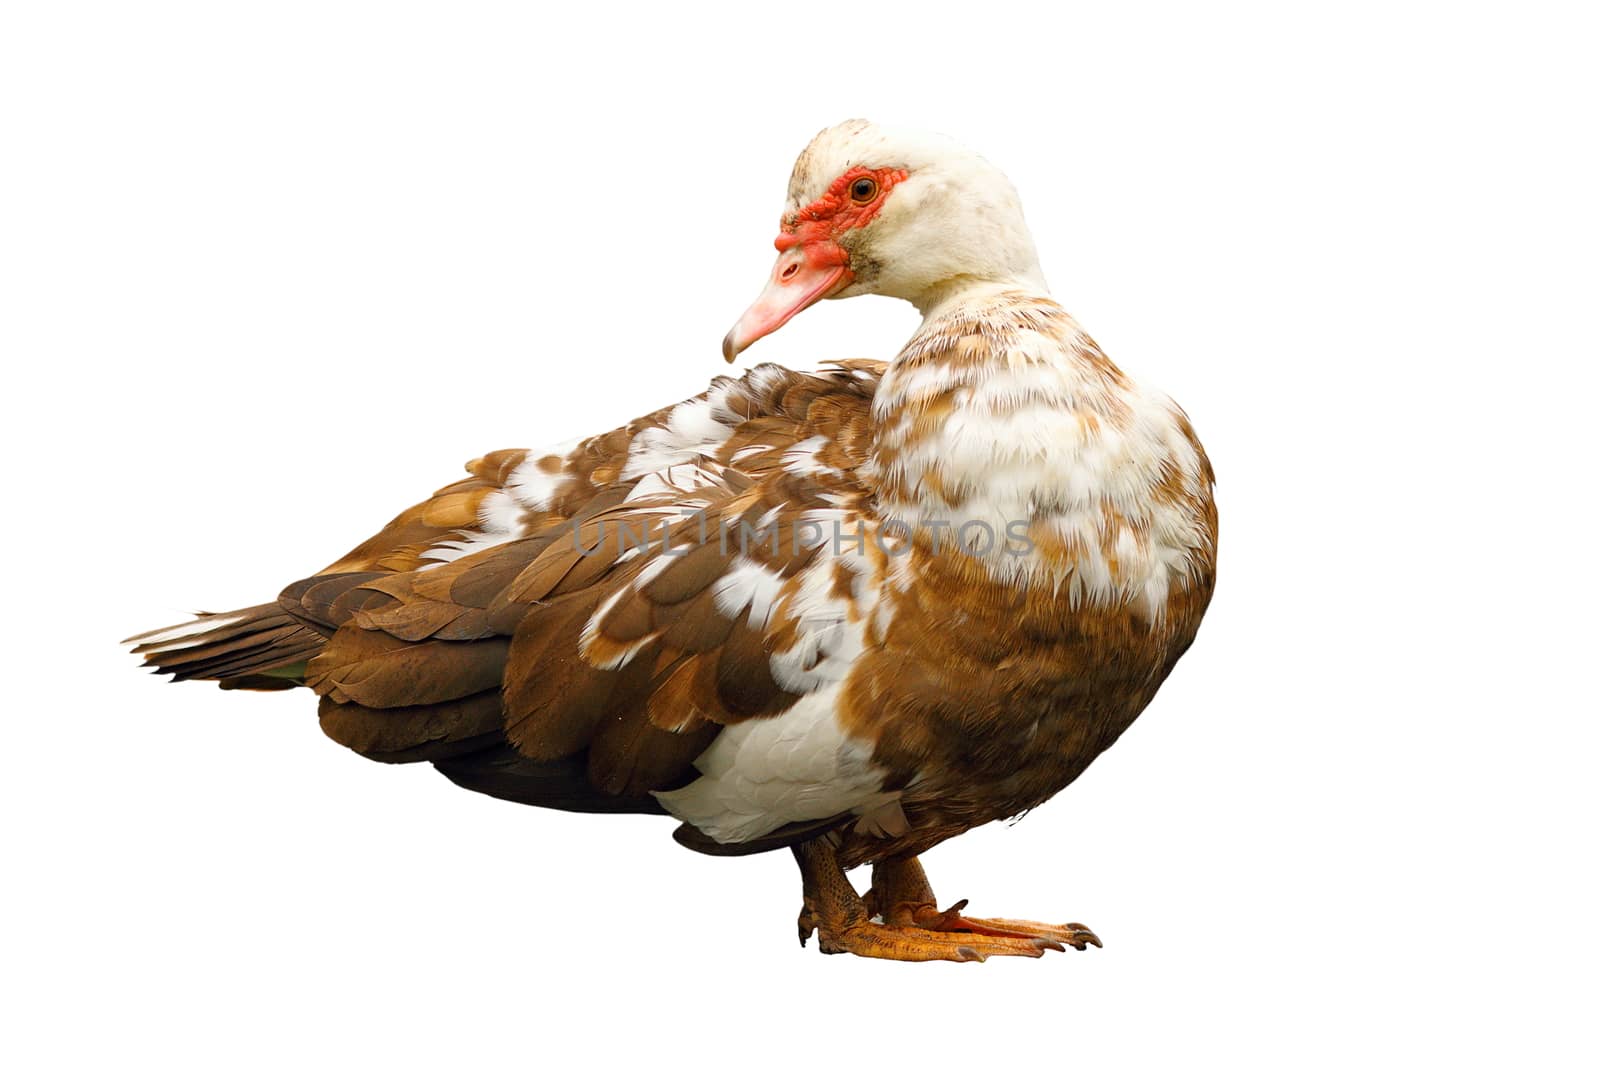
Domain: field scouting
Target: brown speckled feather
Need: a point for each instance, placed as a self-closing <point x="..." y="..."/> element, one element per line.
<point x="446" y="634"/>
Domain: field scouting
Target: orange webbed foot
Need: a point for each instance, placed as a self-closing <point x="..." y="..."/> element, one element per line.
<point x="1060" y="935"/>
<point x="901" y="894"/>
<point x="918" y="944"/>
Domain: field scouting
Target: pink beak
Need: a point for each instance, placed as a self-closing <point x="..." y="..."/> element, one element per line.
<point x="803" y="275"/>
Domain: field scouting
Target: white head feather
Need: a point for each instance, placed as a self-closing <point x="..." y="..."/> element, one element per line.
<point x="955" y="218"/>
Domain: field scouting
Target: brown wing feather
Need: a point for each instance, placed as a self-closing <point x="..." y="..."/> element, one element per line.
<point x="379" y="670"/>
<point x="409" y="734"/>
<point x="497" y="662"/>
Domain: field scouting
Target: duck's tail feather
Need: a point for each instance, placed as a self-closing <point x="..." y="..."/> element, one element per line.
<point x="261" y="647"/>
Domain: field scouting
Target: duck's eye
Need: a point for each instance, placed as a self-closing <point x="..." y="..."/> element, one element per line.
<point x="862" y="190"/>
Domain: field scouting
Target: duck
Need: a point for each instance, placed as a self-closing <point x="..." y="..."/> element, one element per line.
<point x="851" y="613"/>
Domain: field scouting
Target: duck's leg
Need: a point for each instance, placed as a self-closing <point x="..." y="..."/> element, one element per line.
<point x="838" y="915"/>
<point x="901" y="894"/>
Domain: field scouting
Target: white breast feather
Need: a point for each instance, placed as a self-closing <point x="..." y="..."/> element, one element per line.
<point x="762" y="774"/>
<point x="1020" y="454"/>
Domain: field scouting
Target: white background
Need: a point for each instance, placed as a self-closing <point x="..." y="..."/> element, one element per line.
<point x="272" y="272"/>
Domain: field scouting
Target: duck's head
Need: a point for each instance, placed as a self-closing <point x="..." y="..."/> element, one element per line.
<point x="894" y="212"/>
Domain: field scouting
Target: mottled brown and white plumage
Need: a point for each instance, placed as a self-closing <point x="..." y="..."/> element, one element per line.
<point x="853" y="612"/>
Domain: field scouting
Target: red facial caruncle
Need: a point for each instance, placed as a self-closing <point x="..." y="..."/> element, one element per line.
<point x="812" y="261"/>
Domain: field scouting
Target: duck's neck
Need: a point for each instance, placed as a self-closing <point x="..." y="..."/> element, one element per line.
<point x="941" y="297"/>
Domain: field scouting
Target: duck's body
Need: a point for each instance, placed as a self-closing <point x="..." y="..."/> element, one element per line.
<point x="854" y="612"/>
